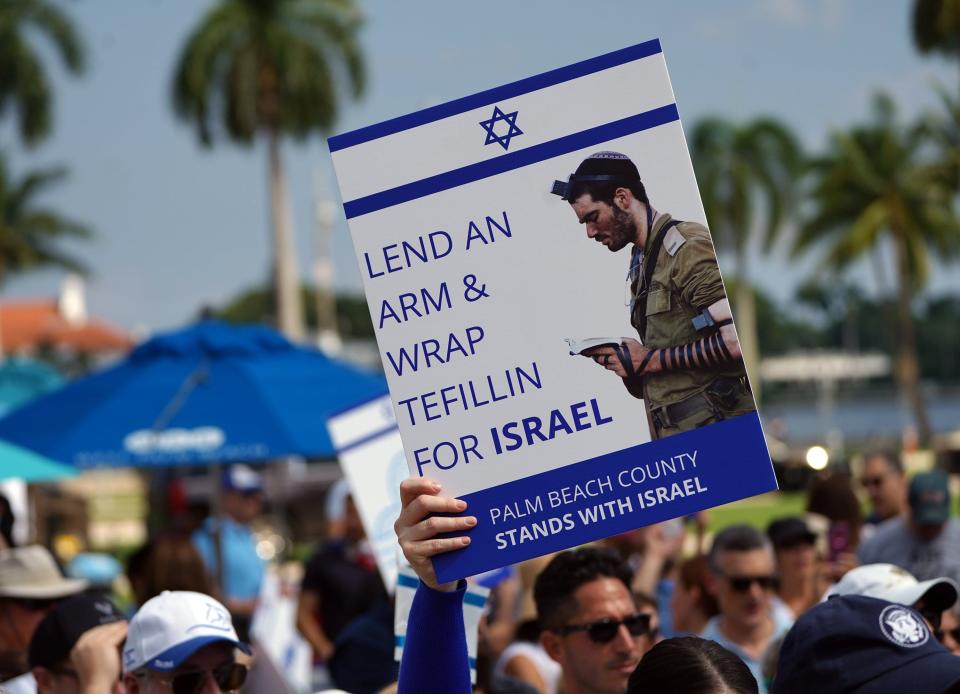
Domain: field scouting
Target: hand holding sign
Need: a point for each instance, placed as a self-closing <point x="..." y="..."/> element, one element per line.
<point x="417" y="529"/>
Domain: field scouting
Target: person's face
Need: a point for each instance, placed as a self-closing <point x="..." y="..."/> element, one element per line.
<point x="683" y="606"/>
<point x="885" y="486"/>
<point x="353" y="527"/>
<point x="744" y="586"/>
<point x="588" y="666"/>
<point x="204" y="661"/>
<point x="244" y="507"/>
<point x="948" y="625"/>
<point x="611" y="225"/>
<point x="928" y="531"/>
<point x="18" y="621"/>
<point x="64" y="680"/>
<point x="798" y="559"/>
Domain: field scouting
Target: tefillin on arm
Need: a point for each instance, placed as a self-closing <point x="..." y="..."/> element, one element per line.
<point x="707" y="352"/>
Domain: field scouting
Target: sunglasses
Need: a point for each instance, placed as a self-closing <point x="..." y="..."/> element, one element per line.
<point x="604" y="630"/>
<point x="229" y="677"/>
<point x="941" y="633"/>
<point x="871" y="481"/>
<point x="742" y="584"/>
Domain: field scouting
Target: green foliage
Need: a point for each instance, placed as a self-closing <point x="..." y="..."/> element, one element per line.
<point x="881" y="180"/>
<point x="274" y="65"/>
<point x="30" y="235"/>
<point x="24" y="84"/>
<point x="257" y="305"/>
<point x="747" y="176"/>
<point x="936" y="26"/>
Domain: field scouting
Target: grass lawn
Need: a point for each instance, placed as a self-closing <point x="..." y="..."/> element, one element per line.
<point x="758" y="510"/>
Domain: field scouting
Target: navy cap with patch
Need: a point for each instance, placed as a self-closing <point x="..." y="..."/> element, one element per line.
<point x="853" y="643"/>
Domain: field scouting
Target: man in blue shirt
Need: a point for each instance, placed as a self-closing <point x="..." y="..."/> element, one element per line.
<point x="742" y="579"/>
<point x="242" y="568"/>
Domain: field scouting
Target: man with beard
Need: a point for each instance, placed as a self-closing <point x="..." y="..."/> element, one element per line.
<point x="742" y="580"/>
<point x="687" y="365"/>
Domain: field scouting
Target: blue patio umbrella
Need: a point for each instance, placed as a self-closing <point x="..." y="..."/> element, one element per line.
<point x="22" y="379"/>
<point x="212" y="392"/>
<point x="19" y="463"/>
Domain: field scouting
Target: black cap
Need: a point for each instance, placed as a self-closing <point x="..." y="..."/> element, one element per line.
<point x="852" y="643"/>
<point x="59" y="631"/>
<point x="790" y="532"/>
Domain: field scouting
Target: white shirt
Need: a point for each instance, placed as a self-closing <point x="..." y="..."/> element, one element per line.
<point x="24" y="684"/>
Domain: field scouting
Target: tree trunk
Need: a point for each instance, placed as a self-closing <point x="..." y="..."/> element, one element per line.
<point x="286" y="283"/>
<point x="746" y="324"/>
<point x="907" y="364"/>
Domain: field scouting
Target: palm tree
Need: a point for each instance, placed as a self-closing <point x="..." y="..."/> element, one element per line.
<point x="24" y="85"/>
<point x="30" y="235"/>
<point x="936" y="26"/>
<point x="270" y="68"/>
<point x="747" y="176"/>
<point x="882" y="183"/>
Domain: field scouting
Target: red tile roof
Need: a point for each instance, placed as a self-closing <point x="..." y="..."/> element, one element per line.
<point x="27" y="325"/>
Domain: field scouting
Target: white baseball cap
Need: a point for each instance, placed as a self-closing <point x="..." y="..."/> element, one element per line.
<point x="894" y="584"/>
<point x="174" y="625"/>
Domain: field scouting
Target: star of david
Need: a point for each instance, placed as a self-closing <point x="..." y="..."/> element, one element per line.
<point x="490" y="126"/>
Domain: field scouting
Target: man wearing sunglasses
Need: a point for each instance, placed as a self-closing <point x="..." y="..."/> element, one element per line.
<point x="742" y="579"/>
<point x="885" y="483"/>
<point x="30" y="586"/>
<point x="591" y="624"/>
<point x="182" y="642"/>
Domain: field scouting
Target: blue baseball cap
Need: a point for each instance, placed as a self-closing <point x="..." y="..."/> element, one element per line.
<point x="853" y="643"/>
<point x="243" y="479"/>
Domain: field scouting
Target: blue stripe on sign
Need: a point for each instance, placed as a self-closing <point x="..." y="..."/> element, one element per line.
<point x="407" y="581"/>
<point x="514" y="160"/>
<point x="485" y="98"/>
<point x="474" y="599"/>
<point x="368" y="438"/>
<point x="731" y="463"/>
<point x="399" y="641"/>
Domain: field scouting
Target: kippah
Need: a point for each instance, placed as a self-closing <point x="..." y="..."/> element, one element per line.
<point x="608" y="155"/>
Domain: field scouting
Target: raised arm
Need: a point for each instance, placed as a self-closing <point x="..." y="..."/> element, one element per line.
<point x="435" y="659"/>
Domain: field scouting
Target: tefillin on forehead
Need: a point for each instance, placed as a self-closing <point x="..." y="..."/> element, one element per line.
<point x="599" y="167"/>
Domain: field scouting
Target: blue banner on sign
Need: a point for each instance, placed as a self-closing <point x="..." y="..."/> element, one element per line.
<point x="612" y="494"/>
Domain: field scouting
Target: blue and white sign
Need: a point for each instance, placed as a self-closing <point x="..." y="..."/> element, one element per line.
<point x="485" y="288"/>
<point x="371" y="456"/>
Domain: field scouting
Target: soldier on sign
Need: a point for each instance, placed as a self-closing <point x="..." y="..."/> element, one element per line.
<point x="687" y="365"/>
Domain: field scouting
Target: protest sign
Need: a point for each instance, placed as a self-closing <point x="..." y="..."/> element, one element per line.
<point x="487" y="295"/>
<point x="371" y="456"/>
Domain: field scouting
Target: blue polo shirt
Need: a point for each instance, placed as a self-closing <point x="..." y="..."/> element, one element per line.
<point x="781" y="625"/>
<point x="243" y="569"/>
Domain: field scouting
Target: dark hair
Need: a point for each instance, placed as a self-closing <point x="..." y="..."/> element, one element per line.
<point x="736" y="538"/>
<point x="833" y="497"/>
<point x="168" y="562"/>
<point x="603" y="191"/>
<point x="892" y="460"/>
<point x="554" y="588"/>
<point x="692" y="573"/>
<point x="690" y="665"/>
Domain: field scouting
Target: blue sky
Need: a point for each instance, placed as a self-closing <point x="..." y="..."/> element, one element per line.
<point x="179" y="227"/>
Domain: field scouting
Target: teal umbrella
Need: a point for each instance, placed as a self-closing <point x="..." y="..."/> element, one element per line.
<point x="16" y="462"/>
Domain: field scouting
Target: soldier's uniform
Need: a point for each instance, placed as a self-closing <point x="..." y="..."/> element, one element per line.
<point x="685" y="281"/>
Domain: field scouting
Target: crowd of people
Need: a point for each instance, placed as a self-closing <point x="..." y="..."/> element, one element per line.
<point x="831" y="600"/>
